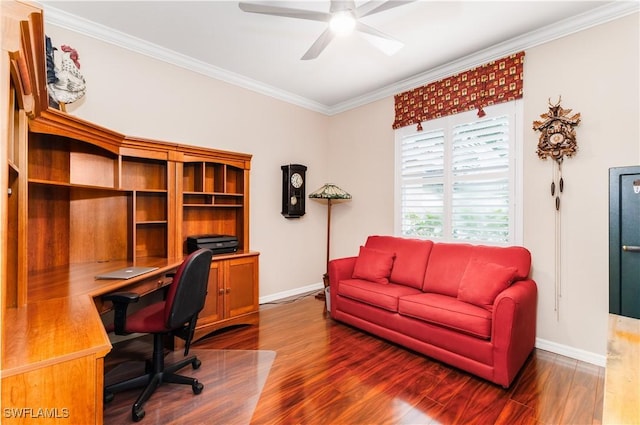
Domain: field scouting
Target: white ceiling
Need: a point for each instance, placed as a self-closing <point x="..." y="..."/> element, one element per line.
<point x="263" y="52"/>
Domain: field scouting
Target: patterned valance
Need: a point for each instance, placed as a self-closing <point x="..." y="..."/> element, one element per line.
<point x="495" y="82"/>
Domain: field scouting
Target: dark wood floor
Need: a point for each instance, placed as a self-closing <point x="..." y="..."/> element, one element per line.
<point x="328" y="373"/>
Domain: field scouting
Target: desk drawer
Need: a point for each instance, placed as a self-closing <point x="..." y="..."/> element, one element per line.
<point x="142" y="287"/>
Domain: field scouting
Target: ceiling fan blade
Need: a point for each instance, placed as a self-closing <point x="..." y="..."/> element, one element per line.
<point x="319" y="45"/>
<point x="284" y="11"/>
<point x="376" y="6"/>
<point x="342" y="5"/>
<point x="387" y="44"/>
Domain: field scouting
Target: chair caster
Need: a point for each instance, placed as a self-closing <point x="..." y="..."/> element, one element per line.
<point x="196" y="363"/>
<point x="137" y="415"/>
<point x="197" y="387"/>
<point x="108" y="397"/>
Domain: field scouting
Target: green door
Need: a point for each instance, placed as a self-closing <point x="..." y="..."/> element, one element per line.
<point x="624" y="241"/>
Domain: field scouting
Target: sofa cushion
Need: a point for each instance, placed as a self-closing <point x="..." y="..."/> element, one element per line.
<point x="449" y="312"/>
<point x="411" y="258"/>
<point x="509" y="256"/>
<point x="446" y="267"/>
<point x="483" y="281"/>
<point x="374" y="265"/>
<point x="375" y="294"/>
<point x="448" y="262"/>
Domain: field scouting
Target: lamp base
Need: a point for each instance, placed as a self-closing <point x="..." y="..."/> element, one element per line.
<point x="325" y="280"/>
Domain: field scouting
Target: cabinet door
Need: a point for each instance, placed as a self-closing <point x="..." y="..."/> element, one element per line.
<point x="241" y="286"/>
<point x="213" y="310"/>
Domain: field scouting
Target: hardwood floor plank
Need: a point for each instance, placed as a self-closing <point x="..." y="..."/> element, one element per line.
<point x="426" y="411"/>
<point x="580" y="407"/>
<point x="552" y="401"/>
<point x="485" y="402"/>
<point x="597" y="413"/>
<point x="325" y="372"/>
<point x="515" y="413"/>
<point x="449" y="386"/>
<point x="533" y="378"/>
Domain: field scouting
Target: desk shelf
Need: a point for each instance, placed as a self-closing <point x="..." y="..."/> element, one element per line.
<point x="215" y="198"/>
<point x="100" y="205"/>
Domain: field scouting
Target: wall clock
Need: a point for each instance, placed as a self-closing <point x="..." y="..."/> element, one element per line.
<point x="557" y="141"/>
<point x="293" y="189"/>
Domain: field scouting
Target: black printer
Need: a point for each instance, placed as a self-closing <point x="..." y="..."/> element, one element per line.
<point x="218" y="244"/>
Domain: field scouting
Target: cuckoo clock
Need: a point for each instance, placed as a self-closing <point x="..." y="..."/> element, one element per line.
<point x="557" y="141"/>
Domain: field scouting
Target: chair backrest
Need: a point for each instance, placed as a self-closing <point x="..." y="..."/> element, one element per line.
<point x="186" y="295"/>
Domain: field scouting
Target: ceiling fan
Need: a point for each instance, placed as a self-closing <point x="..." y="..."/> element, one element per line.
<point x="343" y="16"/>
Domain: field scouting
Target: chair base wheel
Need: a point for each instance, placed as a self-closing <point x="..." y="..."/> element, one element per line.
<point x="137" y="415"/>
<point x="197" y="387"/>
<point x="196" y="363"/>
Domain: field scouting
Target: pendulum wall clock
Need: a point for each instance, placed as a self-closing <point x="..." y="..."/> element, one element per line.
<point x="293" y="190"/>
<point x="557" y="141"/>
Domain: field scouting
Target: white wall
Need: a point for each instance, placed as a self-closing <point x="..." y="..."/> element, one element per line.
<point x="596" y="72"/>
<point x="361" y="161"/>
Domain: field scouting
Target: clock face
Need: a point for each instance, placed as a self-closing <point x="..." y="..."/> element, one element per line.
<point x="293" y="188"/>
<point x="556" y="138"/>
<point x="296" y="180"/>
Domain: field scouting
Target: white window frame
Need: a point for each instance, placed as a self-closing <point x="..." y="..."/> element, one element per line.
<point x="514" y="110"/>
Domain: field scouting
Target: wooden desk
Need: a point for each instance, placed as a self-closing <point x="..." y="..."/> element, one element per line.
<point x="79" y="279"/>
<point x="53" y="357"/>
<point x="622" y="375"/>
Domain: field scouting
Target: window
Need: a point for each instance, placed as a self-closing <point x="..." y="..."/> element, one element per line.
<point x="459" y="179"/>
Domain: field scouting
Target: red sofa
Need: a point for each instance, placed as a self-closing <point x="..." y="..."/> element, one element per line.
<point x="470" y="306"/>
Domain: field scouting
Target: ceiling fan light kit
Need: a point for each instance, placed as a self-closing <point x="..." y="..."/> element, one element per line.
<point x="342" y="19"/>
<point x="342" y="23"/>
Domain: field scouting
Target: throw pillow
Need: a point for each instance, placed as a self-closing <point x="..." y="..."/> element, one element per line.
<point x="482" y="282"/>
<point x="373" y="265"/>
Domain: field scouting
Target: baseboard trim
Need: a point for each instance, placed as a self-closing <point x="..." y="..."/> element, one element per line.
<point x="291" y="293"/>
<point x="574" y="353"/>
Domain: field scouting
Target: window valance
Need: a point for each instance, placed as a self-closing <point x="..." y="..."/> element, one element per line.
<point x="495" y="82"/>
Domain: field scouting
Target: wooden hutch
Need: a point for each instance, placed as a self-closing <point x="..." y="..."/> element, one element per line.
<point x="83" y="200"/>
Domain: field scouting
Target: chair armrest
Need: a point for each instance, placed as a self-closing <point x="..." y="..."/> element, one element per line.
<point x="121" y="301"/>
<point x="122" y="297"/>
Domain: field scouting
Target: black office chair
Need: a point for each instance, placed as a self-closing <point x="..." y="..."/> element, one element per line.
<point x="175" y="316"/>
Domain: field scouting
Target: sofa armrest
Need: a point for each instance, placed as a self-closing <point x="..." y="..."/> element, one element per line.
<point x="339" y="269"/>
<point x="514" y="328"/>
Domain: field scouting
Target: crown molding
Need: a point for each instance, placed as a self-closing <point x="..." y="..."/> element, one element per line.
<point x="103" y="33"/>
<point x="603" y="14"/>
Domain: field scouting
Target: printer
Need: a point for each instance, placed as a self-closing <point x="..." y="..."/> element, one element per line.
<point x="218" y="244"/>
